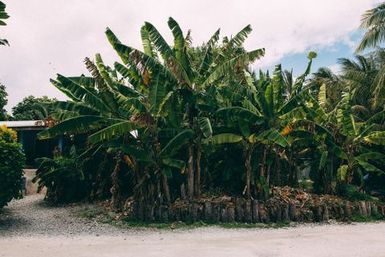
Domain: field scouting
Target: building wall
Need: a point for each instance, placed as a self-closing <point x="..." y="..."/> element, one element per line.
<point x="35" y="148"/>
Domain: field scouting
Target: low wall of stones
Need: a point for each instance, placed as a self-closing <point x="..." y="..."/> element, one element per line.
<point x="253" y="211"/>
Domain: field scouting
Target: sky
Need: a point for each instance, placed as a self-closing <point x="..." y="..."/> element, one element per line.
<point x="49" y="37"/>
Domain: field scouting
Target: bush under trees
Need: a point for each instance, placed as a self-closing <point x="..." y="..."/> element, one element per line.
<point x="70" y="177"/>
<point x="11" y="169"/>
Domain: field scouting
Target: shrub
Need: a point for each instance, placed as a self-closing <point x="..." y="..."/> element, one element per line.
<point x="352" y="193"/>
<point x="7" y="135"/>
<point x="11" y="166"/>
<point x="63" y="178"/>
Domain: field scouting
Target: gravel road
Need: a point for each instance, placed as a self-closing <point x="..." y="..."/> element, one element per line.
<point x="31" y="216"/>
<point x="30" y="228"/>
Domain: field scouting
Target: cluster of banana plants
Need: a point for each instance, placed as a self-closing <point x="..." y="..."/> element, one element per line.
<point x="178" y="118"/>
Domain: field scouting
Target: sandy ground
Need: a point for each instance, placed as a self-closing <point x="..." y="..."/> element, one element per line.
<point x="31" y="188"/>
<point x="305" y="240"/>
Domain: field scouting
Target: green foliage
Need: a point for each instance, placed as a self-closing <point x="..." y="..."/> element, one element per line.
<point x="8" y="135"/>
<point x="3" y="103"/>
<point x="11" y="170"/>
<point x="33" y="108"/>
<point x="62" y="177"/>
<point x="372" y="21"/>
<point x="176" y="120"/>
<point x="352" y="193"/>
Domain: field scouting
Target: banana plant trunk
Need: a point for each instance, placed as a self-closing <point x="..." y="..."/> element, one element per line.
<point x="262" y="172"/>
<point x="248" y="168"/>
<point x="197" y="177"/>
<point x="115" y="189"/>
<point x="190" y="173"/>
<point x="166" y="189"/>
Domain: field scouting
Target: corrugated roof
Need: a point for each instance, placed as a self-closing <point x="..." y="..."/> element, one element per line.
<point x="24" y="124"/>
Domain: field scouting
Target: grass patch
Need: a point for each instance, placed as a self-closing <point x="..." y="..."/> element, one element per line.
<point x="94" y="212"/>
<point x="200" y="224"/>
<point x="170" y="225"/>
<point x="372" y="218"/>
<point x="89" y="212"/>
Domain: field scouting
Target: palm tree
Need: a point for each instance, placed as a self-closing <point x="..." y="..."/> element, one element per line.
<point x="343" y="139"/>
<point x="333" y="86"/>
<point x="373" y="22"/>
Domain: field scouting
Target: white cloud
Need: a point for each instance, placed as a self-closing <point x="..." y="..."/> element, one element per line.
<point x="335" y="68"/>
<point x="49" y="37"/>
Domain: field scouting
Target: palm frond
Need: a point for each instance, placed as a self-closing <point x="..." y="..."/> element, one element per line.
<point x="113" y="131"/>
<point x="240" y="60"/>
<point x="77" y="125"/>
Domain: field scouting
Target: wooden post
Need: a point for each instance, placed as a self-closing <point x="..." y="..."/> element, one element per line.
<point x="325" y="213"/>
<point x="158" y="213"/>
<point x="230" y="214"/>
<point x="248" y="212"/>
<point x="263" y="215"/>
<point x="363" y="210"/>
<point x="317" y="213"/>
<point x="341" y="212"/>
<point x="293" y="212"/>
<point x="216" y="212"/>
<point x="369" y="208"/>
<point x="278" y="213"/>
<point x="255" y="212"/>
<point x="239" y="212"/>
<point x="285" y="213"/>
<point x="164" y="214"/>
<point x="194" y="211"/>
<point x="223" y="211"/>
<point x="374" y="210"/>
<point x="208" y="211"/>
<point x="348" y="210"/>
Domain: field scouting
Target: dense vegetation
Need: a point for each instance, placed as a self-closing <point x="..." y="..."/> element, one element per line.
<point x="3" y="16"/>
<point x="183" y="122"/>
<point x="12" y="161"/>
<point x="33" y="108"/>
<point x="3" y="93"/>
<point x="63" y="177"/>
<point x="3" y="103"/>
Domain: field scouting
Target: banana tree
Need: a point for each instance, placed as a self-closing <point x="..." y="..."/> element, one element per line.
<point x="343" y="142"/>
<point x="356" y="144"/>
<point x="189" y="77"/>
<point x="263" y="118"/>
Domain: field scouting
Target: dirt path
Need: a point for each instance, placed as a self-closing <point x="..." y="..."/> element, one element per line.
<point x="56" y="232"/>
<point x="31" y="216"/>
